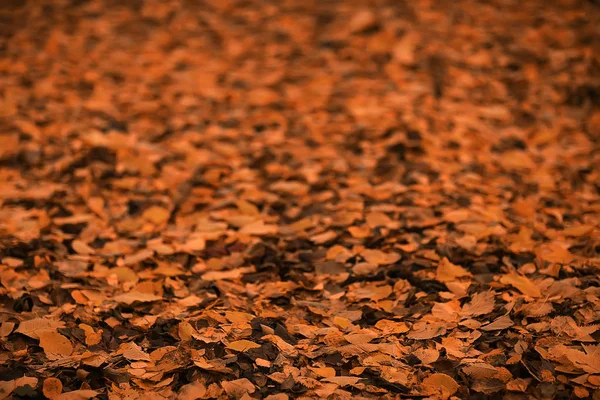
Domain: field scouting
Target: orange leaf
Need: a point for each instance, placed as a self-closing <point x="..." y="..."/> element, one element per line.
<point x="448" y="272"/>
<point x="52" y="387"/>
<point x="522" y="283"/>
<point x="243" y="345"/>
<point x="55" y="345"/>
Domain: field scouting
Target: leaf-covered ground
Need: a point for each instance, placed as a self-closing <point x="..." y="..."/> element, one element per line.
<point x="299" y="199"/>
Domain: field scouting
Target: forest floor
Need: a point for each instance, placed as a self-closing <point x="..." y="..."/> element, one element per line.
<point x="299" y="199"/>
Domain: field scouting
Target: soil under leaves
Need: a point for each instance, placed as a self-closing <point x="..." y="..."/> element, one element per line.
<point x="299" y="199"/>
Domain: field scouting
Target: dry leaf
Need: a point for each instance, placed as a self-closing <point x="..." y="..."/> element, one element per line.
<point x="378" y="257"/>
<point x="192" y="391"/>
<point x="33" y="327"/>
<point x="427" y="356"/>
<point x="441" y="385"/>
<point x="6" y="328"/>
<point x="448" y="272"/>
<point x="81" y="247"/>
<point x="157" y="215"/>
<point x="186" y="330"/>
<point x="342" y="380"/>
<point x="362" y="20"/>
<point x="426" y="330"/>
<point x="133" y="296"/>
<point x="259" y="228"/>
<point x="52" y="387"/>
<point x="238" y="387"/>
<point x="500" y="323"/>
<point x="482" y="303"/>
<point x="55" y="345"/>
<point x="83" y="394"/>
<point x="323" y="372"/>
<point x="133" y="352"/>
<point x="243" y="345"/>
<point x="91" y="336"/>
<point x="522" y="283"/>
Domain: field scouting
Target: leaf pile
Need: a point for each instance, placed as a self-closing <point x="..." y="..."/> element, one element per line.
<point x="337" y="199"/>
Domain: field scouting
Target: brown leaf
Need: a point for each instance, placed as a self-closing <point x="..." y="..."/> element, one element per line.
<point x="480" y="371"/>
<point x="186" y="330"/>
<point x="342" y="380"/>
<point x="6" y="328"/>
<point x="82" y="394"/>
<point x="133" y="352"/>
<point x="371" y="292"/>
<point x="238" y="387"/>
<point x="404" y="50"/>
<point x="427" y="356"/>
<point x="375" y="219"/>
<point x="133" y="296"/>
<point x="34" y="327"/>
<point x="91" y="336"/>
<point x="448" y="272"/>
<point x="379" y="257"/>
<point x="55" y="345"/>
<point x="555" y="252"/>
<point x="192" y="391"/>
<point x="52" y="387"/>
<point x="324" y="372"/>
<point x="323" y="237"/>
<point x="482" y="303"/>
<point x="81" y="247"/>
<point x="425" y="330"/>
<point x="157" y="215"/>
<point x="259" y="228"/>
<point x="243" y="345"/>
<point x="522" y="283"/>
<point x="361" y="21"/>
<point x="441" y="385"/>
<point x="500" y="323"/>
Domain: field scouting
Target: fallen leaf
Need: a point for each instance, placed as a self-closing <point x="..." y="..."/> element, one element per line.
<point x="440" y="384"/>
<point x="82" y="394"/>
<point x="323" y="372"/>
<point x="500" y="323"/>
<point x="6" y="328"/>
<point x="448" y="272"/>
<point x="342" y="380"/>
<point x="55" y="345"/>
<point x="52" y="387"/>
<point x="192" y="391"/>
<point x="133" y="352"/>
<point x="238" y="387"/>
<point x="427" y="356"/>
<point x="133" y="296"/>
<point x="480" y="371"/>
<point x="425" y="330"/>
<point x="243" y="345"/>
<point x="378" y="257"/>
<point x="186" y="330"/>
<point x="157" y="215"/>
<point x="91" y="336"/>
<point x="35" y="326"/>
<point x="361" y="21"/>
<point x="481" y="303"/>
<point x="323" y="237"/>
<point x="259" y="228"/>
<point x="522" y="283"/>
<point x="81" y="247"/>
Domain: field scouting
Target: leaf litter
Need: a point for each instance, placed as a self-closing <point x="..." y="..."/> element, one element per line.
<point x="258" y="200"/>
